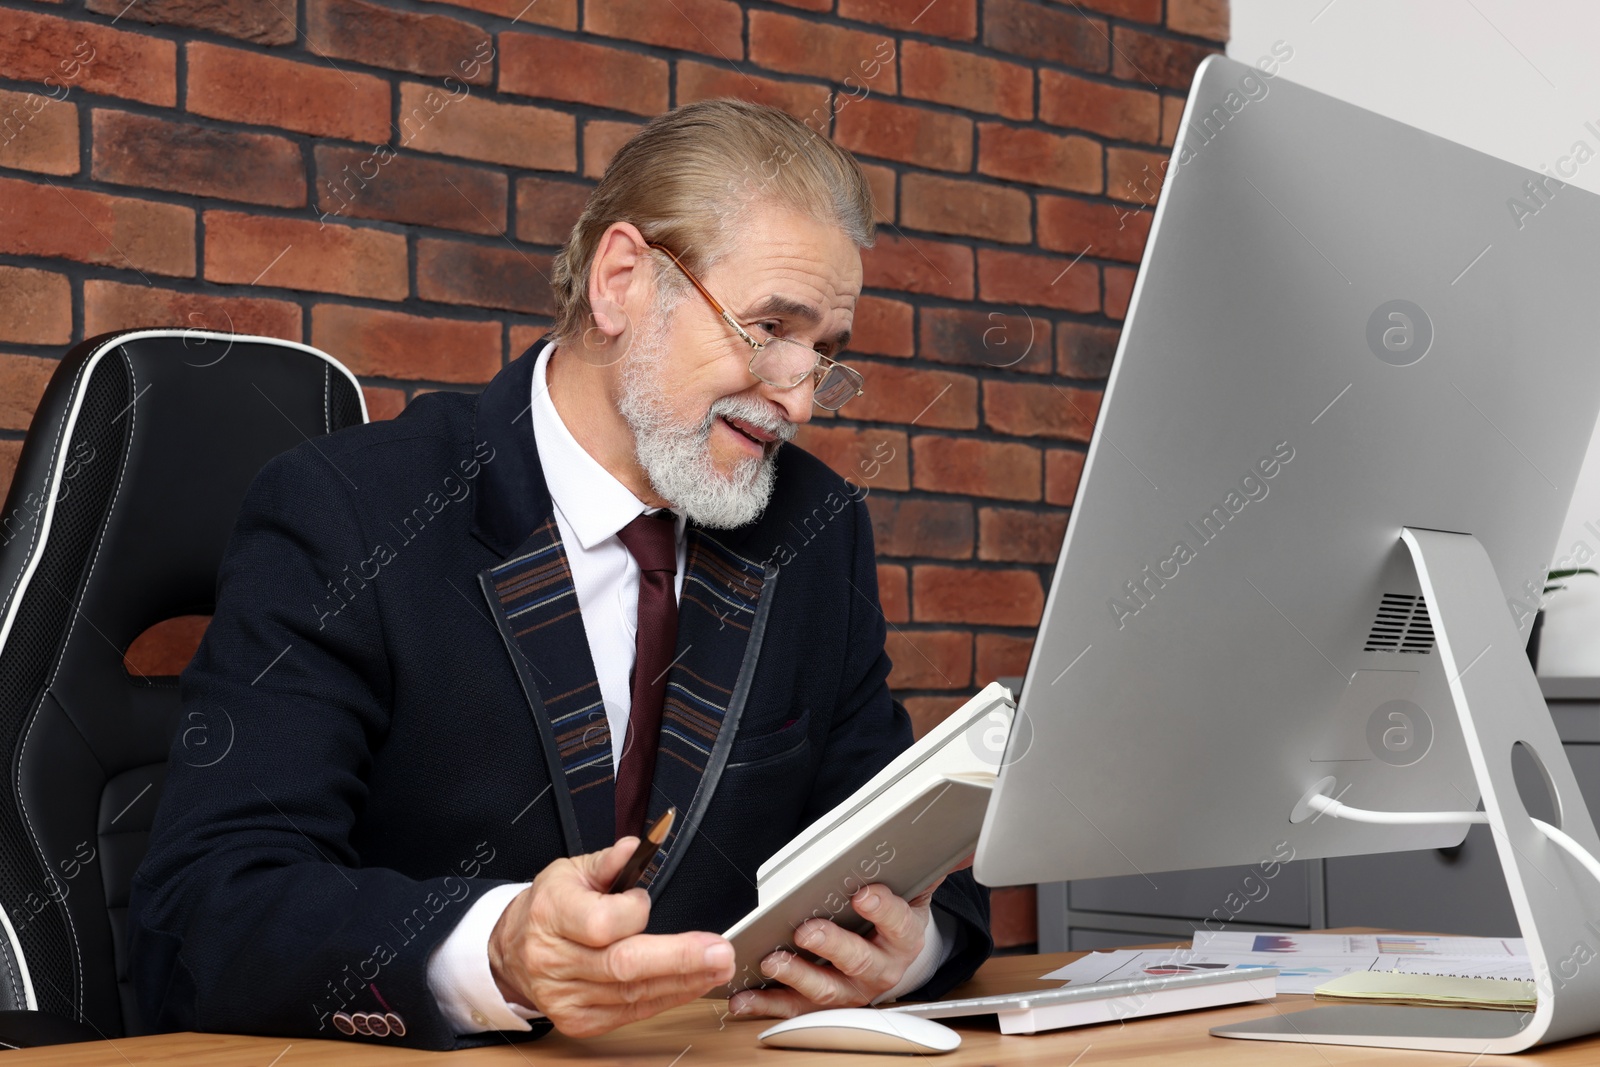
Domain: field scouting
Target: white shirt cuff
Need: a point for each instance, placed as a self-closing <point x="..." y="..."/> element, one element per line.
<point x="937" y="944"/>
<point x="459" y="976"/>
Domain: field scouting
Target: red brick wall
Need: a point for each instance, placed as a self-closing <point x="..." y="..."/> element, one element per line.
<point x="390" y="181"/>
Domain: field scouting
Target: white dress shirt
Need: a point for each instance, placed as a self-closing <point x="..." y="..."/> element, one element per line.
<point x="591" y="506"/>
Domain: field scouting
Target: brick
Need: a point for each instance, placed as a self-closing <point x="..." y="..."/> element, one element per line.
<point x="806" y="101"/>
<point x="115" y="231"/>
<point x="165" y="649"/>
<point x="894" y="595"/>
<point x="383" y="403"/>
<point x="355" y="183"/>
<point x="1171" y="116"/>
<point x="972" y="595"/>
<point x="929" y="659"/>
<point x="906" y="134"/>
<point x="1000" y="656"/>
<point x="714" y="27"/>
<point x="266" y="22"/>
<point x="808" y="5"/>
<point x="582" y="73"/>
<point x="111" y="306"/>
<point x="917" y="265"/>
<point x="928" y="712"/>
<point x="966" y="80"/>
<point x="1134" y="175"/>
<point x="22" y="382"/>
<point x="518" y="135"/>
<point x="875" y="458"/>
<point x="1106" y="231"/>
<point x="301" y="254"/>
<point x="1001" y="469"/>
<point x="38" y="132"/>
<point x="1200" y="18"/>
<point x="915" y="396"/>
<point x="10" y="452"/>
<point x="1084" y="350"/>
<point x="1150" y="59"/>
<point x="913" y="526"/>
<point x="23" y="379"/>
<point x="882" y="328"/>
<point x="181" y="157"/>
<point x="956" y="19"/>
<point x="1062" y="471"/>
<point x="977" y="338"/>
<point x="1009" y="535"/>
<point x="381" y="36"/>
<point x="1055" y="36"/>
<point x="1039" y="157"/>
<point x="601" y="141"/>
<point x="547" y="210"/>
<point x="1014" y="916"/>
<point x="1119" y="290"/>
<point x="238" y="85"/>
<point x="36" y="47"/>
<point x="882" y="182"/>
<point x="524" y="338"/>
<point x="858" y="59"/>
<point x="1111" y="110"/>
<point x="492" y="276"/>
<point x="1020" y="278"/>
<point x="389" y="344"/>
<point x="1136" y="10"/>
<point x="36" y="308"/>
<point x="971" y="209"/>
<point x="562" y="14"/>
<point x="1049" y="410"/>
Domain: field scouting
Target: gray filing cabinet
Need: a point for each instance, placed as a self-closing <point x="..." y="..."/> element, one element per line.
<point x="1456" y="891"/>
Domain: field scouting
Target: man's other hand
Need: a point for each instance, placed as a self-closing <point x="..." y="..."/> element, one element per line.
<point x="863" y="968"/>
<point x="567" y="948"/>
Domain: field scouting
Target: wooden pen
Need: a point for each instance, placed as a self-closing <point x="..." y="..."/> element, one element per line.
<point x="628" y="877"/>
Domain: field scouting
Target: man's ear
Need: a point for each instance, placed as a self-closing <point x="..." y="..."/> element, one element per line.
<point x="617" y="276"/>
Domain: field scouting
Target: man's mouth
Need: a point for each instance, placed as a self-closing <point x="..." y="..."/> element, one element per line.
<point x="750" y="430"/>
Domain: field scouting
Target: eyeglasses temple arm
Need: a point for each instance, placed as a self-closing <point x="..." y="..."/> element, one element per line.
<point x="740" y="330"/>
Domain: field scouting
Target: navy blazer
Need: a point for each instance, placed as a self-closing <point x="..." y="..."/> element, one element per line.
<point x="394" y="709"/>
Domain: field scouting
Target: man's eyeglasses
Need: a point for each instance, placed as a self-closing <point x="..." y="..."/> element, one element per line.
<point x="782" y="362"/>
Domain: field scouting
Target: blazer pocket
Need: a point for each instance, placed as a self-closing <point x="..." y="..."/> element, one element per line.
<point x="791" y="737"/>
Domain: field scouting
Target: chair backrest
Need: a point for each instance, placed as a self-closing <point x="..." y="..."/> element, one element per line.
<point x="126" y="491"/>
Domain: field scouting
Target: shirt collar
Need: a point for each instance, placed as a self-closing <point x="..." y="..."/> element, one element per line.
<point x="590" y="498"/>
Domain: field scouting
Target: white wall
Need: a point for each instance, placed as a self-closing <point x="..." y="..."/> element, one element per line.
<point x="1519" y="79"/>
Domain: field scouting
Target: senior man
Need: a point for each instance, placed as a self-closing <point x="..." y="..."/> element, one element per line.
<point x="492" y="639"/>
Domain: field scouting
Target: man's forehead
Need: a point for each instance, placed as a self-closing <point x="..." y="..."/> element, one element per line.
<point x="790" y="273"/>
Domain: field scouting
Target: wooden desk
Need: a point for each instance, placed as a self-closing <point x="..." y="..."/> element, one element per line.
<point x="690" y="1036"/>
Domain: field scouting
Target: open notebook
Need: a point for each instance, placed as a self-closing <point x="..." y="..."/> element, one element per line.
<point x="908" y="826"/>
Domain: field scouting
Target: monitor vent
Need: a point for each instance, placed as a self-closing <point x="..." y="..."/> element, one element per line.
<point x="1402" y="625"/>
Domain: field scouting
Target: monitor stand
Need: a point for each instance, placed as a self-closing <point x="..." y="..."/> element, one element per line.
<point x="1557" y="901"/>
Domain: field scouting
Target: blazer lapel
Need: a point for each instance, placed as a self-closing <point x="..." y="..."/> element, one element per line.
<point x="722" y="613"/>
<point x="535" y="608"/>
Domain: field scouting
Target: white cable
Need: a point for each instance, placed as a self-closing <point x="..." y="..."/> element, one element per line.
<point x="1329" y="806"/>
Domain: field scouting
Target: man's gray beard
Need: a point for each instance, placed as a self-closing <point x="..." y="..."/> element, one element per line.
<point x="677" y="457"/>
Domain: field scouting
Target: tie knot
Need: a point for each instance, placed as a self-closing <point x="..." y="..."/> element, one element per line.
<point x="652" y="541"/>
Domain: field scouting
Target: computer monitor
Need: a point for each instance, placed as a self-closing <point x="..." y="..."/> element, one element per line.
<point x="1343" y="328"/>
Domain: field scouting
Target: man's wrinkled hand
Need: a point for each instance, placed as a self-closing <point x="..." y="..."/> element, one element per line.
<point x="858" y="969"/>
<point x="567" y="948"/>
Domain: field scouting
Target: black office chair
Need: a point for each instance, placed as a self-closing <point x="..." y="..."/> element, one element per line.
<point x="127" y="489"/>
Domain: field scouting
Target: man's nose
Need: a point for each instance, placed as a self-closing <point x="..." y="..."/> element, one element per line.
<point x="795" y="401"/>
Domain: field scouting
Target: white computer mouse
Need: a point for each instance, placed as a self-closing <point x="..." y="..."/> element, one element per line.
<point x="862" y="1030"/>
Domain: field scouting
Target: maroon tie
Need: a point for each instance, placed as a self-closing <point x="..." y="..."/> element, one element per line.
<point x="651" y="540"/>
